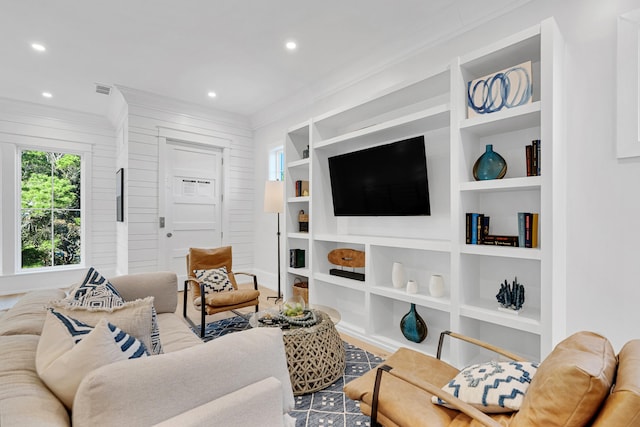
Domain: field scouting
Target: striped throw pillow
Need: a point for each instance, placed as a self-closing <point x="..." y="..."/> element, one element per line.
<point x="69" y="349"/>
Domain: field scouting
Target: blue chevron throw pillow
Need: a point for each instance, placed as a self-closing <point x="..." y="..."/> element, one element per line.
<point x="491" y="387"/>
<point x="96" y="292"/>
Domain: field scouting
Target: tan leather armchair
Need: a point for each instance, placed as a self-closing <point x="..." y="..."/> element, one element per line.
<point x="573" y="386"/>
<point x="216" y="302"/>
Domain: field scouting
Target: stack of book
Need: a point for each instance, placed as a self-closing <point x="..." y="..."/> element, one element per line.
<point x="302" y="188"/>
<point x="533" y="158"/>
<point x="477" y="228"/>
<point x="527" y="230"/>
<point x="477" y="232"/>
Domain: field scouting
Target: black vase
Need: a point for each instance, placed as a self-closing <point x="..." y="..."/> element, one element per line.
<point x="413" y="326"/>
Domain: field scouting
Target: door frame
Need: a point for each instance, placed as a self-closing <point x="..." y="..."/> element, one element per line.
<point x="197" y="140"/>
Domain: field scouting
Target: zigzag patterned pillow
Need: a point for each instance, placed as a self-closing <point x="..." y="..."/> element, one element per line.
<point x="491" y="387"/>
<point x="215" y="280"/>
<point x="69" y="349"/>
<point x="96" y="291"/>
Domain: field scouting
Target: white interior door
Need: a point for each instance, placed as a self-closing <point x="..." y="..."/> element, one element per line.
<point x="192" y="203"/>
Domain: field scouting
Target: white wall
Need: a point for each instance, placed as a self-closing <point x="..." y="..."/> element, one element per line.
<point x="24" y="124"/>
<point x="604" y="206"/>
<point x="129" y="140"/>
<point x="145" y="114"/>
<point x="603" y="264"/>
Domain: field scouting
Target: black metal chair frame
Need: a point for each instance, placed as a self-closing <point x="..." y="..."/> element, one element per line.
<point x="386" y="368"/>
<point x="203" y="313"/>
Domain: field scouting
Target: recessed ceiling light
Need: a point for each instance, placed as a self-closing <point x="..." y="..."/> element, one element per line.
<point x="38" y="47"/>
<point x="47" y="94"/>
<point x="212" y="94"/>
<point x="291" y="45"/>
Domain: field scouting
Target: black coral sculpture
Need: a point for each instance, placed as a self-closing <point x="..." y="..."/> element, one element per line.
<point x="511" y="296"/>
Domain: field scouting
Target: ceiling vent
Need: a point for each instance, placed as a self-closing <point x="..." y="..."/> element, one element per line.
<point x="103" y="89"/>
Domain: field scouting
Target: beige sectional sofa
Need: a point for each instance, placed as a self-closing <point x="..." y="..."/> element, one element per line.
<point x="238" y="379"/>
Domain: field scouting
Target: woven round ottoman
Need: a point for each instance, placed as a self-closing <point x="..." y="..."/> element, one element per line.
<point x="315" y="355"/>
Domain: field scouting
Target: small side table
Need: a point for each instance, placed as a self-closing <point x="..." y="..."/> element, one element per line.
<point x="315" y="354"/>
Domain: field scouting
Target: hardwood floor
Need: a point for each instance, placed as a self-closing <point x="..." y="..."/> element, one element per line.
<point x="265" y="303"/>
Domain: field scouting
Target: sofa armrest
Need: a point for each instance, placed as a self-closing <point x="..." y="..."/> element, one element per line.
<point x="150" y="390"/>
<point x="163" y="286"/>
<point x="257" y="404"/>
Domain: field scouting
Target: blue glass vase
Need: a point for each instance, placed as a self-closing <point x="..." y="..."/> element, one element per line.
<point x="490" y="165"/>
<point x="413" y="326"/>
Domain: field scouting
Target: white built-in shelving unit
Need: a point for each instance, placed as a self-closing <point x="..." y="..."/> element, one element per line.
<point x="435" y="106"/>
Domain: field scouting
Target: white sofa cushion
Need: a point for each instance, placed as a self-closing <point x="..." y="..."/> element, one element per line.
<point x="176" y="335"/>
<point x="27" y="315"/>
<point x="25" y="400"/>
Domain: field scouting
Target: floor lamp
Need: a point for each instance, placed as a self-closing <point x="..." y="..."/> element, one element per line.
<point x="274" y="202"/>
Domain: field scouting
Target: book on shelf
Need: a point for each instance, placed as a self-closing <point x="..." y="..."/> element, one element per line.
<point x="477" y="227"/>
<point x="302" y="188"/>
<point x="532" y="155"/>
<point x="500" y="240"/>
<point x="477" y="231"/>
<point x="527" y="230"/>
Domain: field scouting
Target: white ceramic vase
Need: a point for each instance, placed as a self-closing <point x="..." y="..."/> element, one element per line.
<point x="412" y="287"/>
<point x="397" y="275"/>
<point x="436" y="286"/>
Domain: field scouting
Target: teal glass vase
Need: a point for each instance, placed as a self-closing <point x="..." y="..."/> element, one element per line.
<point x="413" y="326"/>
<point x="490" y="165"/>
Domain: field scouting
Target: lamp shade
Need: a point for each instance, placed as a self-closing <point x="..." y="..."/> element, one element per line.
<point x="274" y="196"/>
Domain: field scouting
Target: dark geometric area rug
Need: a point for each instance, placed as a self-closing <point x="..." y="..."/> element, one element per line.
<point x="325" y="408"/>
<point x="222" y="327"/>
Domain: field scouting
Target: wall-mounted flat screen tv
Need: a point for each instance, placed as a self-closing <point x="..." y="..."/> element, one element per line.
<point x="388" y="180"/>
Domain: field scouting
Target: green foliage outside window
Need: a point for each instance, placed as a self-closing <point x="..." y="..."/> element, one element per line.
<point x="50" y="209"/>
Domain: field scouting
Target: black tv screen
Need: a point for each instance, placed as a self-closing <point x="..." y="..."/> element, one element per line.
<point x="388" y="180"/>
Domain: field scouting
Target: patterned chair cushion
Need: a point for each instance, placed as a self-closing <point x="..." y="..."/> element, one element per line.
<point x="69" y="349"/>
<point x="214" y="280"/>
<point x="97" y="293"/>
<point x="492" y="387"/>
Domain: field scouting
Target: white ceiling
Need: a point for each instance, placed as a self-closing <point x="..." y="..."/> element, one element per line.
<point x="184" y="48"/>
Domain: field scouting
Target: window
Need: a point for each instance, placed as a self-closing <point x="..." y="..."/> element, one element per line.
<point x="276" y="164"/>
<point x="50" y="209"/>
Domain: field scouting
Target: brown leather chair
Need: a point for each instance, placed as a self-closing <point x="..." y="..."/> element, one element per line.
<point x="216" y="302"/>
<point x="573" y="386"/>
